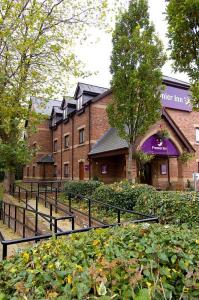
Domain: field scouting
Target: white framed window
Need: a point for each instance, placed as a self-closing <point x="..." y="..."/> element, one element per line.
<point x="79" y="103"/>
<point x="197" y="135"/>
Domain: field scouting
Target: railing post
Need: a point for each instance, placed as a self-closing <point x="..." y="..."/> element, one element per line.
<point x="24" y="223"/>
<point x="4" y="255"/>
<point x="89" y="213"/>
<point x="9" y="215"/>
<point x="56" y="200"/>
<point x="13" y="189"/>
<point x="31" y="189"/>
<point x="118" y="216"/>
<point x="73" y="223"/>
<point x="38" y="187"/>
<point x="45" y="195"/>
<point x="36" y="216"/>
<point x="19" y="193"/>
<point x="69" y="202"/>
<point x="51" y="213"/>
<point x="4" y="207"/>
<point x="26" y="199"/>
<point x="15" y="228"/>
<point x="55" y="225"/>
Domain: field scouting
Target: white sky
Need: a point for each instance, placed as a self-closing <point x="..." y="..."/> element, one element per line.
<point x="96" y="55"/>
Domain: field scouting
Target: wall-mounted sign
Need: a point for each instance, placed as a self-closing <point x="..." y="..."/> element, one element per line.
<point x="86" y="167"/>
<point x="104" y="169"/>
<point x="176" y="98"/>
<point x="163" y="169"/>
<point x="155" y="145"/>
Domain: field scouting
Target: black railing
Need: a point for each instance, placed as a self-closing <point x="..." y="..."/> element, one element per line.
<point x="6" y="243"/>
<point x="43" y="194"/>
<point x="7" y="215"/>
<point x="118" y="210"/>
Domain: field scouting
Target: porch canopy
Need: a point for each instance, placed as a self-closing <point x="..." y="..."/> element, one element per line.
<point x="159" y="146"/>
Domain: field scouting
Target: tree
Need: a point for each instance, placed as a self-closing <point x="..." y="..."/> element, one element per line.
<point x="136" y="62"/>
<point x="183" y="34"/>
<point x="36" y="53"/>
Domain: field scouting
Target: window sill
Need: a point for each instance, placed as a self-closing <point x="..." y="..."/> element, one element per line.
<point x="82" y="144"/>
<point x="55" y="152"/>
<point x="68" y="148"/>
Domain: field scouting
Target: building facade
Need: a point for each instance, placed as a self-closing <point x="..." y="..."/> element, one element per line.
<point x="76" y="142"/>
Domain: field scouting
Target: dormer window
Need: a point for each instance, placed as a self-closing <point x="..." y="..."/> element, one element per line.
<point x="79" y="103"/>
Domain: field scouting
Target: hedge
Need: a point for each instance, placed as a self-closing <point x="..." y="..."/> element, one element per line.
<point x="85" y="188"/>
<point x="122" y="194"/>
<point x="137" y="262"/>
<point x="171" y="207"/>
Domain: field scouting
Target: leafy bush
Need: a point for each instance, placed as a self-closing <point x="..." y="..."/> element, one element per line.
<point x="134" y="262"/>
<point x="85" y="188"/>
<point x="122" y="194"/>
<point x="171" y="207"/>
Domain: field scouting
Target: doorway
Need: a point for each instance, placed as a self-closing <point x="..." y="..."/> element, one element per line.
<point x="146" y="176"/>
<point x="81" y="170"/>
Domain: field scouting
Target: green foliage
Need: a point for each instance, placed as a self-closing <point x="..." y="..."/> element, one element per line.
<point x="183" y="32"/>
<point x="171" y="207"/>
<point x="36" y="59"/>
<point x="85" y="188"/>
<point x="150" y="262"/>
<point x="122" y="194"/>
<point x="136" y="62"/>
<point x="185" y="157"/>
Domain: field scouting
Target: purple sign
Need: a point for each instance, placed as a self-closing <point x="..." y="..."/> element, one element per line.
<point x="157" y="146"/>
<point x="176" y="98"/>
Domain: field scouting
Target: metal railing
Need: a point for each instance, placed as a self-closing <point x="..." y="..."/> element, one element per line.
<point x="42" y="194"/>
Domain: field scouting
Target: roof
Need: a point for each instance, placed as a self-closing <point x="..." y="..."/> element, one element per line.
<point x="84" y="87"/>
<point x="110" y="141"/>
<point x="58" y="110"/>
<point x="44" y="107"/>
<point x="46" y="159"/>
<point x="177" y="130"/>
<point x="175" y="81"/>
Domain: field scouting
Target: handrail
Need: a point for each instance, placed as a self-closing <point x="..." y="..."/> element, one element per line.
<point x="111" y="206"/>
<point x="6" y="243"/>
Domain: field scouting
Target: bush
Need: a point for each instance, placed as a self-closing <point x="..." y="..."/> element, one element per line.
<point x="122" y="194"/>
<point x="171" y="207"/>
<point x="85" y="188"/>
<point x="134" y="262"/>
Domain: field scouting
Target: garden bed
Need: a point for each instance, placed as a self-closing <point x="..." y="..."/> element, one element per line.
<point x="140" y="262"/>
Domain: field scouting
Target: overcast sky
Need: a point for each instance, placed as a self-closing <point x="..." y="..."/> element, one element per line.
<point x="96" y="55"/>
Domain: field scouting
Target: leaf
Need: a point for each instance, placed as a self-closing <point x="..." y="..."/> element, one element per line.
<point x="143" y="294"/>
<point x="101" y="289"/>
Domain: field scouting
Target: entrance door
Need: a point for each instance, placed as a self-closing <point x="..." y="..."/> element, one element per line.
<point x="81" y="170"/>
<point x="147" y="173"/>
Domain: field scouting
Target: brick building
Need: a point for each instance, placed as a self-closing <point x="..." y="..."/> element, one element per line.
<point x="76" y="141"/>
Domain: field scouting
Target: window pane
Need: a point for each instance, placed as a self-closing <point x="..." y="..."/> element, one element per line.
<point x="81" y="136"/>
<point x="197" y="134"/>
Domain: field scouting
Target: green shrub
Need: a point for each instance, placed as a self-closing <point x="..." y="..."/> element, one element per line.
<point x="171" y="207"/>
<point x="81" y="187"/>
<point x="122" y="194"/>
<point x="134" y="262"/>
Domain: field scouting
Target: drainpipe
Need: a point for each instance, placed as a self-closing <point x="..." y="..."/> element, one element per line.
<point x="89" y="138"/>
<point x="61" y="148"/>
<point x="72" y="145"/>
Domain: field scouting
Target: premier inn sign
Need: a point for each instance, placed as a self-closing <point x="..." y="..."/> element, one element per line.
<point x="177" y="98"/>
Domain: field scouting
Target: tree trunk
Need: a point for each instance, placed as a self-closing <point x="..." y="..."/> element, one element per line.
<point x="9" y="179"/>
<point x="130" y="165"/>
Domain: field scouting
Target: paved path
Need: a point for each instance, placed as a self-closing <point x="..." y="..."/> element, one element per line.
<point x="8" y="233"/>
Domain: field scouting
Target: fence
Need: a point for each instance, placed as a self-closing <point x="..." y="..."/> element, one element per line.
<point x="42" y="194"/>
